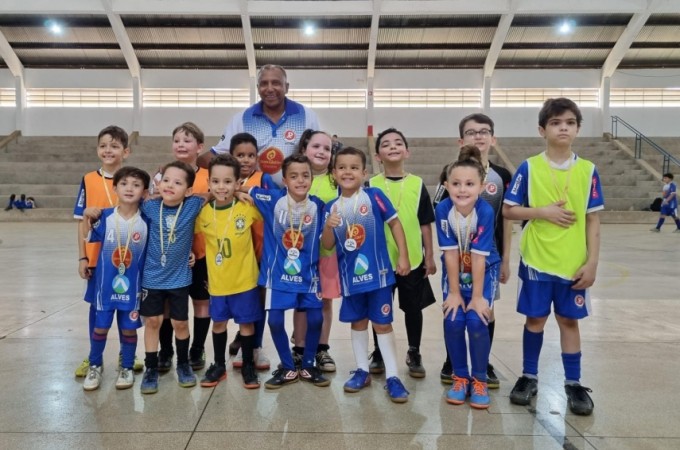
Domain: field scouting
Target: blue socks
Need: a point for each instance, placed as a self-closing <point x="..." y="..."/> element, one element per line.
<point x="454" y="335"/>
<point x="314" y="322"/>
<point x="572" y="367"/>
<point x="660" y="222"/>
<point x="531" y="346"/>
<point x="277" y="327"/>
<point x="97" y="345"/>
<point x="128" y="347"/>
<point x="480" y="345"/>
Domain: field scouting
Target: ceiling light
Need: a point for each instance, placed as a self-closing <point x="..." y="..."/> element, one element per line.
<point x="566" y="27"/>
<point x="54" y="27"/>
<point x="309" y="29"/>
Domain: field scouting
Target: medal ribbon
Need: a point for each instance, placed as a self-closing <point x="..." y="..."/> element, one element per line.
<point x="131" y="225"/>
<point x="106" y="188"/>
<point x="295" y="237"/>
<point x="171" y="233"/>
<point x="464" y="237"/>
<point x="401" y="188"/>
<point x="350" y="227"/>
<point x="561" y="192"/>
<point x="226" y="225"/>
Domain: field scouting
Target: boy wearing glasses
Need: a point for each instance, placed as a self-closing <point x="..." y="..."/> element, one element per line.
<point x="478" y="130"/>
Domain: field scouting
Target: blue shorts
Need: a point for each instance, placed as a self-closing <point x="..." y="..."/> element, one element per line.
<point x="284" y="300"/>
<point x="668" y="211"/>
<point x="90" y="288"/>
<point x="491" y="283"/>
<point x="535" y="297"/>
<point x="374" y="305"/>
<point x="127" y="320"/>
<point x="244" y="307"/>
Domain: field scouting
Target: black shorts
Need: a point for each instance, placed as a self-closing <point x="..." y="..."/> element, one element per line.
<point x="415" y="291"/>
<point x="153" y="302"/>
<point x="199" y="285"/>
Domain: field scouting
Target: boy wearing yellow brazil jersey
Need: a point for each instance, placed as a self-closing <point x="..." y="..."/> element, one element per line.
<point x="558" y="195"/>
<point x="232" y="269"/>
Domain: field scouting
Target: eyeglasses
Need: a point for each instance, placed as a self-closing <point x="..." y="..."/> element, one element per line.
<point x="484" y="133"/>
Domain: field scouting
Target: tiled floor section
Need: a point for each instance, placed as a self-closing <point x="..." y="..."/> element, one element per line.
<point x="631" y="360"/>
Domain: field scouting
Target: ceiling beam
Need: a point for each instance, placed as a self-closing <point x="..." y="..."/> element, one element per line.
<point x="497" y="44"/>
<point x="623" y="44"/>
<point x="10" y="57"/>
<point x="373" y="38"/>
<point x="248" y="39"/>
<point x="123" y="40"/>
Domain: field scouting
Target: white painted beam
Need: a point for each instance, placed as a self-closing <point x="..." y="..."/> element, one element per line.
<point x="123" y="40"/>
<point x="497" y="44"/>
<point x="623" y="44"/>
<point x="373" y="38"/>
<point x="10" y="57"/>
<point x="248" y="39"/>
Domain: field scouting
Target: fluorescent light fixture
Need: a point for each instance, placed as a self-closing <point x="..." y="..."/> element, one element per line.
<point x="309" y="29"/>
<point x="54" y="27"/>
<point x="566" y="27"/>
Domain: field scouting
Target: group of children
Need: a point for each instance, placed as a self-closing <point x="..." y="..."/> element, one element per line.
<point x="260" y="249"/>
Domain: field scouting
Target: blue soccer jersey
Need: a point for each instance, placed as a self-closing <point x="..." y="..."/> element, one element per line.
<point x="119" y="266"/>
<point x="292" y="231"/>
<point x="168" y="268"/>
<point x="668" y="190"/>
<point x="360" y="244"/>
<point x="275" y="141"/>
<point x="471" y="234"/>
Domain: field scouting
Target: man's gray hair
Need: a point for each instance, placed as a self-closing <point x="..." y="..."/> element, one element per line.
<point x="267" y="67"/>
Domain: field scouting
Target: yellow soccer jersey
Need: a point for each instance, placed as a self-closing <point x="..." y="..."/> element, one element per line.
<point x="230" y="256"/>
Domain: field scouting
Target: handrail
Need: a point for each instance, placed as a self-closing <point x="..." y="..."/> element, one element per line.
<point x="639" y="138"/>
<point x="5" y="141"/>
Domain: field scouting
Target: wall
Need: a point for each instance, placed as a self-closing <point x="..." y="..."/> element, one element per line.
<point x="416" y="122"/>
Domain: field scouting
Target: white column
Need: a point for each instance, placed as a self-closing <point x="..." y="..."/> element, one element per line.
<point x="605" y="91"/>
<point x="20" y="111"/>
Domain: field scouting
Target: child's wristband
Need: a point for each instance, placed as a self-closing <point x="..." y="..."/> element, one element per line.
<point x="84" y="258"/>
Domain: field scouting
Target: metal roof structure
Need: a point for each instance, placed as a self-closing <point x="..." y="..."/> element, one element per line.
<point x="357" y="34"/>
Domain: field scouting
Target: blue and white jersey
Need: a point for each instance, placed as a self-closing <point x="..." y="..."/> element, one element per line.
<point x="122" y="242"/>
<point x="669" y="189"/>
<point x="275" y="141"/>
<point x="292" y="232"/>
<point x="476" y="232"/>
<point x="175" y="273"/>
<point x="363" y="260"/>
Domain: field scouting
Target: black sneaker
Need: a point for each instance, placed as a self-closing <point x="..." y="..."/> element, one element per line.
<point x="578" y="399"/>
<point x="377" y="365"/>
<point x="491" y="378"/>
<point x="197" y="359"/>
<point x="250" y="378"/>
<point x="313" y="375"/>
<point x="524" y="389"/>
<point x="164" y="362"/>
<point x="415" y="363"/>
<point x="446" y="375"/>
<point x="297" y="360"/>
<point x="214" y="374"/>
<point x="281" y="377"/>
<point x="235" y="345"/>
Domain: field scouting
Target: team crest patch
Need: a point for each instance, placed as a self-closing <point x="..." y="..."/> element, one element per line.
<point x="385" y="310"/>
<point x="363" y="210"/>
<point x="136" y="237"/>
<point x="491" y="189"/>
<point x="307" y="219"/>
<point x="579" y="300"/>
<point x="134" y="315"/>
<point x="289" y="135"/>
<point x="240" y="223"/>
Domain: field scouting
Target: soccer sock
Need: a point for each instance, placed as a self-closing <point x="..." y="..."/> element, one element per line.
<point x="151" y="360"/>
<point x="454" y="334"/>
<point x="572" y="367"/>
<point x="247" y="346"/>
<point x="677" y="222"/>
<point x="660" y="222"/>
<point x="531" y="348"/>
<point x="201" y="327"/>
<point x="388" y="349"/>
<point x="128" y="347"/>
<point x="165" y="338"/>
<point x="478" y="333"/>
<point x="220" y="347"/>
<point x="314" y="322"/>
<point x="414" y="328"/>
<point x="182" y="350"/>
<point x="360" y="347"/>
<point x="259" y="330"/>
<point x="277" y="327"/>
<point x="91" y="318"/>
<point x="492" y="328"/>
<point x="322" y="348"/>
<point x="97" y="345"/>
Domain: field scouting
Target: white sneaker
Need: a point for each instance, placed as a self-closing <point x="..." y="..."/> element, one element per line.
<point x="126" y="379"/>
<point x="237" y="361"/>
<point x="261" y="360"/>
<point x="93" y="378"/>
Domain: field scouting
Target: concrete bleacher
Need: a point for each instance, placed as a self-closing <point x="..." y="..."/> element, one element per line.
<point x="50" y="168"/>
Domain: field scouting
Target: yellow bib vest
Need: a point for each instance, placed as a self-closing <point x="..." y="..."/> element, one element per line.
<point x="547" y="247"/>
<point x="405" y="197"/>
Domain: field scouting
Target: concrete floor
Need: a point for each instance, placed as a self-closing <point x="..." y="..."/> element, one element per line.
<point x="630" y="345"/>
